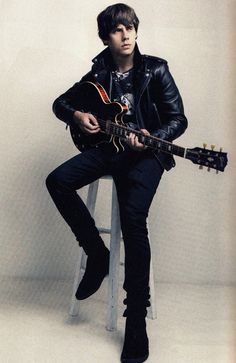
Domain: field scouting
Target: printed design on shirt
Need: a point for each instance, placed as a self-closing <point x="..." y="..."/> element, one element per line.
<point x="122" y="89"/>
<point x="128" y="100"/>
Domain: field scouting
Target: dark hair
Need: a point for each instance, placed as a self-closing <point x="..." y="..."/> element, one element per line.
<point x="113" y="15"/>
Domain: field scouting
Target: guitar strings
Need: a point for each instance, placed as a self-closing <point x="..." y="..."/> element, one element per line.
<point x="122" y="131"/>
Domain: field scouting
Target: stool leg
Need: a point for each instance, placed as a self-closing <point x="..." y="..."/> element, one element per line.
<point x="74" y="305"/>
<point x="113" y="281"/>
<point x="90" y="203"/>
<point x="152" y="313"/>
<point x="92" y="196"/>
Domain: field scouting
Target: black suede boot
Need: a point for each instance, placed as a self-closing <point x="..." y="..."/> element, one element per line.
<point x="97" y="267"/>
<point x="136" y="345"/>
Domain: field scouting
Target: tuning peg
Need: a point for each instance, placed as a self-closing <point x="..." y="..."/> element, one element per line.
<point x="217" y="171"/>
<point x="208" y="169"/>
<point x="221" y="149"/>
<point x="201" y="167"/>
<point x="204" y="145"/>
<point x="213" y="147"/>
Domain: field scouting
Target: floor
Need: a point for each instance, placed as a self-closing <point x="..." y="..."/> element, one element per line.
<point x="195" y="324"/>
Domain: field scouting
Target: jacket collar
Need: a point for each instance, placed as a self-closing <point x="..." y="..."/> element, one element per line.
<point x="105" y="60"/>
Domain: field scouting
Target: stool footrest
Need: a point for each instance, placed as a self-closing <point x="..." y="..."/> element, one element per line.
<point x="104" y="230"/>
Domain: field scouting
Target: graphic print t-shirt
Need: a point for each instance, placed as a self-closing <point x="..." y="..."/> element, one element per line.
<point x="123" y="92"/>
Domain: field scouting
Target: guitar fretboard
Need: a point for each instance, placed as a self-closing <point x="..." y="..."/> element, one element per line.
<point x="121" y="131"/>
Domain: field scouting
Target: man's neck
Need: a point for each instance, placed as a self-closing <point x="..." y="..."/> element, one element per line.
<point x="124" y="64"/>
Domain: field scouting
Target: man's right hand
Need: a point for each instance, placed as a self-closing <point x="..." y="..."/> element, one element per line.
<point x="86" y="122"/>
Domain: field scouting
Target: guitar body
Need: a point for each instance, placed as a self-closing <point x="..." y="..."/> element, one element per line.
<point x="94" y="99"/>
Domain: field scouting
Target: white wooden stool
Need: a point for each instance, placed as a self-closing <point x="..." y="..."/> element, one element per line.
<point x="113" y="279"/>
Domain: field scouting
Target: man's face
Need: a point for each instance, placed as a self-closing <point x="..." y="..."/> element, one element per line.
<point x="122" y="40"/>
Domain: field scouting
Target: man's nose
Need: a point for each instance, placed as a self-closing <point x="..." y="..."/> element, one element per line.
<point x="125" y="35"/>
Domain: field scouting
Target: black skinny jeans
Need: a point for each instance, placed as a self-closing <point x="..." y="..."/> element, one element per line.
<point x="136" y="175"/>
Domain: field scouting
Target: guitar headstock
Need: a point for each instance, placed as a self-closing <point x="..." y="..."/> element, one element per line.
<point x="208" y="157"/>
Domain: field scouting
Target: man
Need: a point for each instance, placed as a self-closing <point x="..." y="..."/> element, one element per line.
<point x="146" y="86"/>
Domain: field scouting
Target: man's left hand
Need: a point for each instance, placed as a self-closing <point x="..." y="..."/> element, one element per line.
<point x="132" y="141"/>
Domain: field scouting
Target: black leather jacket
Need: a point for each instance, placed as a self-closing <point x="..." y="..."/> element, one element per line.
<point x="159" y="107"/>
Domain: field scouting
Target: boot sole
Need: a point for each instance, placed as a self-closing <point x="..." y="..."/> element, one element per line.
<point x="134" y="360"/>
<point x="91" y="292"/>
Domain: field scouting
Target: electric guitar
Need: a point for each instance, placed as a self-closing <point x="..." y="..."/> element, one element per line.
<point x="93" y="98"/>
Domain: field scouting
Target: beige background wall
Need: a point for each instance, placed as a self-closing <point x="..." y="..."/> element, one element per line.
<point x="45" y="47"/>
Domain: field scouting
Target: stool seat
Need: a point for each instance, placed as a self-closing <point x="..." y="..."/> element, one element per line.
<point x="113" y="280"/>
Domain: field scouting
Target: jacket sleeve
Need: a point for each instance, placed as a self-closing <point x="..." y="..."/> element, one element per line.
<point x="66" y="104"/>
<point x="169" y="106"/>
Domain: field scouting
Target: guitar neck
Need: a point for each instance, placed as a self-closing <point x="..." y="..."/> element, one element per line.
<point x="153" y="142"/>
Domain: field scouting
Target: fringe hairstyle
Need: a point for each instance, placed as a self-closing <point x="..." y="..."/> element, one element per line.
<point x="113" y="15"/>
